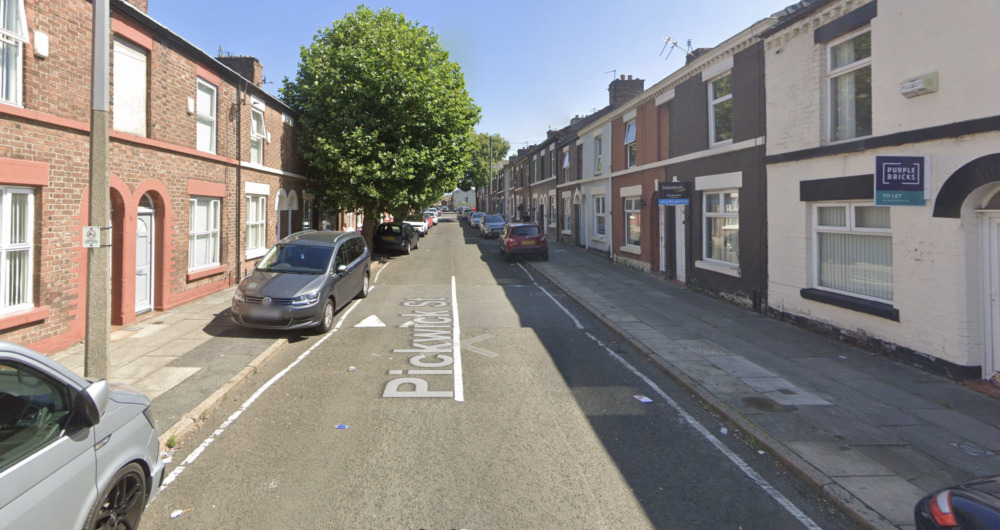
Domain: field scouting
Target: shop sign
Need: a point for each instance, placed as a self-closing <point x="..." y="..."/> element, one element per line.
<point x="901" y="180"/>
<point x="674" y="194"/>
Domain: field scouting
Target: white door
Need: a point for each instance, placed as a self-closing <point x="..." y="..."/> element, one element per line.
<point x="144" y="263"/>
<point x="681" y="249"/>
<point x="663" y="239"/>
<point x="992" y="303"/>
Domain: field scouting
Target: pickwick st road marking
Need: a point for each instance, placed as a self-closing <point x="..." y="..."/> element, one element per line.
<point x="432" y="338"/>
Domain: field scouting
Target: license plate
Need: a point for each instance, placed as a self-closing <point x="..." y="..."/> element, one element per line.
<point x="266" y="312"/>
<point x="388" y="238"/>
<point x="526" y="243"/>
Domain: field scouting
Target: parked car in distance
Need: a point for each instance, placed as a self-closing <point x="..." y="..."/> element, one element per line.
<point x="491" y="225"/>
<point x="56" y="465"/>
<point x="395" y="237"/>
<point x="418" y="223"/>
<point x="474" y="219"/>
<point x="303" y="280"/>
<point x="525" y="239"/>
<point x="463" y="212"/>
<point x="429" y="217"/>
<point x="971" y="505"/>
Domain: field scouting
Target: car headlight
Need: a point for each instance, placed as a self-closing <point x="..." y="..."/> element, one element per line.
<point x="240" y="296"/>
<point x="307" y="299"/>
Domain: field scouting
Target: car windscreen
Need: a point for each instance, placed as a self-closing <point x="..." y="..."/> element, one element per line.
<point x="525" y="230"/>
<point x="296" y="259"/>
<point x="477" y="215"/>
<point x="493" y="219"/>
<point x="415" y="218"/>
<point x="390" y="230"/>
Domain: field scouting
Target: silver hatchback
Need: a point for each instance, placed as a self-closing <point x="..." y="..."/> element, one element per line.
<point x="73" y="453"/>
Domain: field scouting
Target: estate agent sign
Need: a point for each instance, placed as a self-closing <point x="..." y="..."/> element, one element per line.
<point x="901" y="180"/>
<point x="674" y="194"/>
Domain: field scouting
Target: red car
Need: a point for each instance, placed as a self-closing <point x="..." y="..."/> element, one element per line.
<point x="431" y="220"/>
<point x="525" y="239"/>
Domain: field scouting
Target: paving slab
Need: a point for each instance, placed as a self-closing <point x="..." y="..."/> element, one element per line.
<point x="955" y="422"/>
<point x="872" y="411"/>
<point x="833" y="369"/>
<point x="892" y="497"/>
<point x="738" y="366"/>
<point x="839" y="460"/>
<point x="938" y="442"/>
<point x="904" y="460"/>
<point x="847" y="427"/>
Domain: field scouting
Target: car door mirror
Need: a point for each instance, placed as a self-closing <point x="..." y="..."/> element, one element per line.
<point x="341" y="269"/>
<point x="91" y="404"/>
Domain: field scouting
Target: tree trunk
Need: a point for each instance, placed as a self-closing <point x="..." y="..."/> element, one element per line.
<point x="368" y="229"/>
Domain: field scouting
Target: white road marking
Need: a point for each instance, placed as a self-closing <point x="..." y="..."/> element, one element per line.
<point x="575" y="321"/>
<point x="407" y="325"/>
<point x="468" y="344"/>
<point x="379" y="273"/>
<point x="749" y="471"/>
<point x="371" y="322"/>
<point x="457" y="345"/>
<point x="232" y="418"/>
<point x="528" y="273"/>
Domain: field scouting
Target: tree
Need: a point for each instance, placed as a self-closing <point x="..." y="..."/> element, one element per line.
<point x="478" y="175"/>
<point x="386" y="121"/>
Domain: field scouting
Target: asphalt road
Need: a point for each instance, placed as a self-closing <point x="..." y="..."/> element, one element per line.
<point x="547" y="433"/>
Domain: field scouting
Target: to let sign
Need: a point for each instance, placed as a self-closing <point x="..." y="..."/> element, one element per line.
<point x="900" y="180"/>
<point x="674" y="194"/>
<point x="91" y="237"/>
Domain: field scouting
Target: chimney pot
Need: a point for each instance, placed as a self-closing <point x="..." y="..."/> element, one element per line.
<point x="630" y="77"/>
<point x="623" y="77"/>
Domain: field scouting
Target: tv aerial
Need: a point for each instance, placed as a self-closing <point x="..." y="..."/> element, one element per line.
<point x="673" y="44"/>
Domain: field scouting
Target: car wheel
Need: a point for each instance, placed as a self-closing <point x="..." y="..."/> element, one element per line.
<point x="417" y="245"/>
<point x="121" y="503"/>
<point x="326" y="324"/>
<point x="364" y="287"/>
<point x="407" y="251"/>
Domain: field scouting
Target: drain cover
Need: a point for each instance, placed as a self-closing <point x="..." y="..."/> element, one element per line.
<point x="971" y="449"/>
<point x="766" y="404"/>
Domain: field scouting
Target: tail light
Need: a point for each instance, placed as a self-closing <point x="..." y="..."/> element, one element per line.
<point x="941" y="510"/>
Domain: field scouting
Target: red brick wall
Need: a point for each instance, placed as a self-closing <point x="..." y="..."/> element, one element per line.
<point x="617" y="147"/>
<point x="663" y="122"/>
<point x="650" y="221"/>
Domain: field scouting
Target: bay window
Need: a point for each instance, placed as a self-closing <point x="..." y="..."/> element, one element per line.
<point x="13" y="36"/>
<point x="17" y="211"/>
<point x="633" y="222"/>
<point x="720" y="109"/>
<point x="853" y="249"/>
<point x="203" y="233"/>
<point x="600" y="215"/>
<point x="850" y="72"/>
<point x="256" y="224"/>
<point x="721" y="216"/>
<point x="630" y="143"/>
<point x="207" y="96"/>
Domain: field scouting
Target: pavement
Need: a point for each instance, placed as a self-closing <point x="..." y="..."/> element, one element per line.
<point x="871" y="434"/>
<point x="533" y="423"/>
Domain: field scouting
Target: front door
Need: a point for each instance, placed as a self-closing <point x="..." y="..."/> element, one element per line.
<point x="992" y="302"/>
<point x="681" y="248"/>
<point x="144" y="263"/>
<point x="663" y="239"/>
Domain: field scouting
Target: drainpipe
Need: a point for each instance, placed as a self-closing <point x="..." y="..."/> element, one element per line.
<point x="239" y="179"/>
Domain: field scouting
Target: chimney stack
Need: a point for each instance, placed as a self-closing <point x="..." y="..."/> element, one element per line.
<point x="141" y="5"/>
<point x="575" y="119"/>
<point x="245" y="65"/>
<point x="622" y="90"/>
<point x="696" y="54"/>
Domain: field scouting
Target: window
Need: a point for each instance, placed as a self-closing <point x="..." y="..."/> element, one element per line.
<point x="257" y="133"/>
<point x="597" y="156"/>
<point x="850" y="67"/>
<point x="307" y="214"/>
<point x="256" y="219"/>
<point x="129" y="88"/>
<point x="538" y="170"/>
<point x="287" y="120"/>
<point x="633" y="222"/>
<point x="35" y="411"/>
<point x="630" y="143"/>
<point x="599" y="215"/>
<point x="567" y="222"/>
<point x="552" y="210"/>
<point x="206" y="116"/>
<point x="13" y="35"/>
<point x="722" y="226"/>
<point x="853" y="249"/>
<point x="17" y="234"/>
<point x="565" y="166"/>
<point x="720" y="109"/>
<point x="203" y="233"/>
<point x="552" y="163"/>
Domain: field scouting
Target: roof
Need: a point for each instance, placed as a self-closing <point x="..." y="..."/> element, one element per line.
<point x="794" y="13"/>
<point x="316" y="238"/>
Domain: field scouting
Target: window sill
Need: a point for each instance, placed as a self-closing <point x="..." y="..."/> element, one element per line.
<point x="717" y="145"/>
<point x="552" y="226"/>
<point x="728" y="270"/>
<point x="205" y="273"/>
<point x="869" y="307"/>
<point x="566" y="232"/>
<point x="598" y="239"/>
<point x="20" y="318"/>
<point x="256" y="253"/>
<point x="631" y="249"/>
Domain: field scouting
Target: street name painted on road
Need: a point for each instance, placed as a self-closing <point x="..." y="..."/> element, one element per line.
<point x="431" y="340"/>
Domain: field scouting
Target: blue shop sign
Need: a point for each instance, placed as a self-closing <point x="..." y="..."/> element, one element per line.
<point x="900" y="180"/>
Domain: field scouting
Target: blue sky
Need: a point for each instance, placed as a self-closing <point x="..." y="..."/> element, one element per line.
<point x="530" y="65"/>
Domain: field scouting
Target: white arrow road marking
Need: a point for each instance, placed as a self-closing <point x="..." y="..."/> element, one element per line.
<point x="370" y="322"/>
<point x="468" y="345"/>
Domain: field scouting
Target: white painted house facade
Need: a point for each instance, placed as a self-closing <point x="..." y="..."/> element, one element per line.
<point x="593" y="190"/>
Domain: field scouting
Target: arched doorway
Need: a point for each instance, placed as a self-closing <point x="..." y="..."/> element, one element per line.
<point x="118" y="220"/>
<point x="145" y="245"/>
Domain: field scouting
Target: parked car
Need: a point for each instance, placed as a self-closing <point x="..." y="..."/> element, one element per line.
<point x="74" y="453"/>
<point x="429" y="217"/>
<point x="474" y="219"/>
<point x="418" y="223"/>
<point x="491" y="226"/>
<point x="303" y="280"/>
<point x="463" y="212"/>
<point x="971" y="505"/>
<point x="523" y="239"/>
<point x="395" y="237"/>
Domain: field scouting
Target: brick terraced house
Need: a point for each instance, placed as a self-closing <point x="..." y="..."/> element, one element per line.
<point x="204" y="170"/>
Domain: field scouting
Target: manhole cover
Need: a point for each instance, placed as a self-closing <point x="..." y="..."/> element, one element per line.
<point x="971" y="449"/>
<point x="766" y="404"/>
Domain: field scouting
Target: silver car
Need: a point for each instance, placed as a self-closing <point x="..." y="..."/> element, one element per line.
<point x="73" y="453"/>
<point x="475" y="218"/>
<point x="491" y="226"/>
<point x="303" y="280"/>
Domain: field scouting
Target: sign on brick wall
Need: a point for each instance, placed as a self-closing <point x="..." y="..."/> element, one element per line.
<point x="901" y="180"/>
<point x="674" y="194"/>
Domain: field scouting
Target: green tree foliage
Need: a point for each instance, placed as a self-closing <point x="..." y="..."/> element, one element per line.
<point x="387" y="124"/>
<point x="478" y="175"/>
